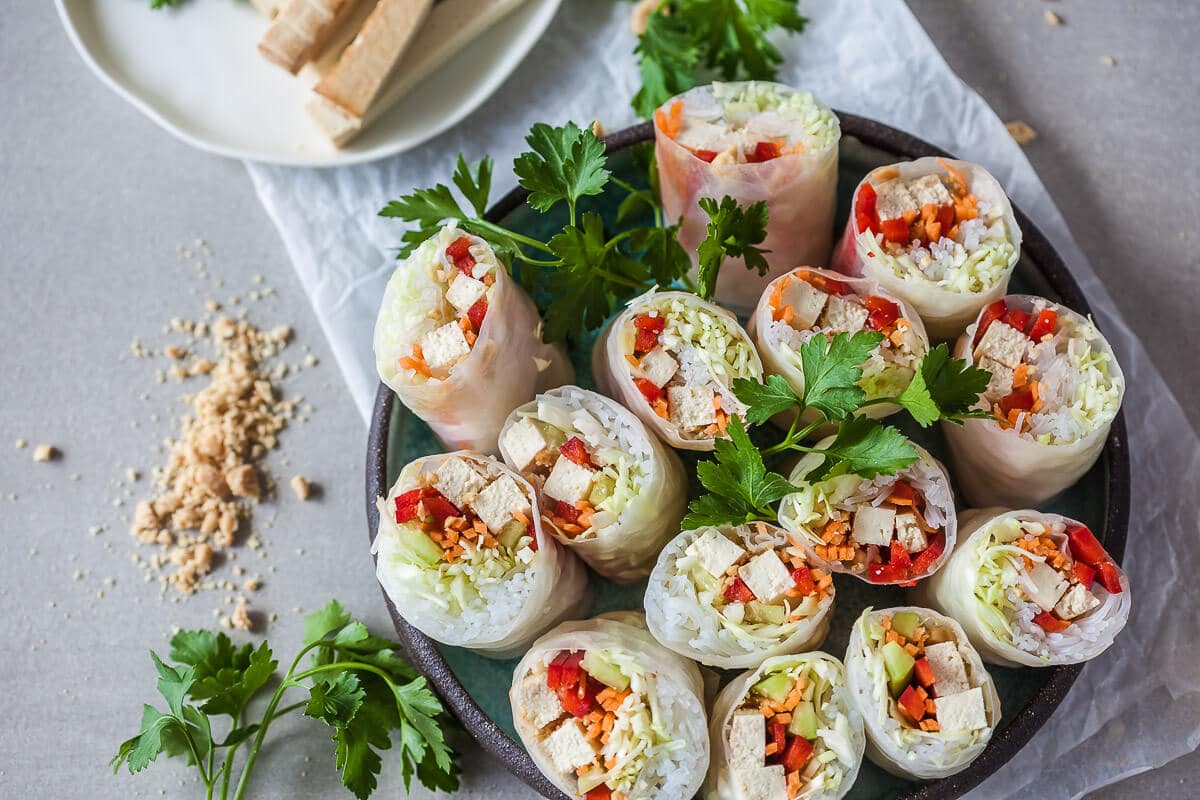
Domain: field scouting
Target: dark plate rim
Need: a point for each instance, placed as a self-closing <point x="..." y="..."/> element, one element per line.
<point x="1004" y="745"/>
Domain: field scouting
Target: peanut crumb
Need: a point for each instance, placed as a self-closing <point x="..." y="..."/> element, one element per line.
<point x="301" y="486"/>
<point x="22" y="444"/>
<point x="1108" y="61"/>
<point x="1021" y="132"/>
<point x="240" y="618"/>
<point x="174" y="351"/>
<point x="45" y="452"/>
<point x="1051" y="18"/>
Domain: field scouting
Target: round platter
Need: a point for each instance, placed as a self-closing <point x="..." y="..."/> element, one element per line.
<point x="476" y="688"/>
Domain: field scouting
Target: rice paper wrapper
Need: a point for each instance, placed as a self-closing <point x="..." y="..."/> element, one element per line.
<point x="509" y="357"/>
<point x="952" y="592"/>
<point x="678" y="684"/>
<point x="933" y="755"/>
<point x="944" y="312"/>
<point x="556" y="587"/>
<point x="800" y="190"/>
<point x="996" y="466"/>
<point x="625" y="550"/>
<point x="722" y="784"/>
<point x="681" y="621"/>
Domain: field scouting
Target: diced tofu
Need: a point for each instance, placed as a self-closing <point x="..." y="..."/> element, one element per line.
<point x="949" y="671"/>
<point x="910" y="534"/>
<point x="658" y="366"/>
<point x="568" y="748"/>
<point x="961" y="712"/>
<point x="874" y="525"/>
<point x="764" y="783"/>
<point x="522" y="442"/>
<point x="568" y="481"/>
<point x="1076" y="602"/>
<point x="538" y="703"/>
<point x="499" y="501"/>
<point x="1001" y="382"/>
<point x="692" y="406"/>
<point x="766" y="576"/>
<point x="458" y="481"/>
<point x="929" y="190"/>
<point x="464" y="292"/>
<point x="1002" y="343"/>
<point x="746" y="737"/>
<point x="715" y="553"/>
<point x="893" y="200"/>
<point x="844" y="316"/>
<point x="806" y="300"/>
<point x="1048" y="586"/>
<point x="444" y="346"/>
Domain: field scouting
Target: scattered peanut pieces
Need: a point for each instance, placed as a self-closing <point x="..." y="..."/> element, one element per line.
<point x="22" y="444"/>
<point x="1052" y="18"/>
<point x="1108" y="61"/>
<point x="240" y="618"/>
<point x="1022" y="132"/>
<point x="301" y="487"/>
<point x="45" y="452"/>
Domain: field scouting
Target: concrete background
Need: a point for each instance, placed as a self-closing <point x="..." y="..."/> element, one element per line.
<point x="95" y="202"/>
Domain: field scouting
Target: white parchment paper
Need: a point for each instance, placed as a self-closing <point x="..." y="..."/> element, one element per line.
<point x="1134" y="708"/>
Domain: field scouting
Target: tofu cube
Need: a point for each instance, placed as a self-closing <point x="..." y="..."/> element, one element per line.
<point x="961" y="712"/>
<point x="1076" y="602"/>
<point x="930" y="191"/>
<point x="1001" y="382"/>
<point x="893" y="200"/>
<point x="747" y="735"/>
<point x="1002" y="343"/>
<point x="658" y="366"/>
<point x="807" y="302"/>
<point x="910" y="534"/>
<point x="568" y="748"/>
<point x="443" y="347"/>
<point x="764" y="783"/>
<point x="1048" y="586"/>
<point x="458" y="481"/>
<point x="522" y="441"/>
<point x="766" y="576"/>
<point x="464" y="292"/>
<point x="949" y="671"/>
<point x="844" y="316"/>
<point x="874" y="525"/>
<point x="538" y="703"/>
<point x="499" y="501"/>
<point x="691" y="406"/>
<point x="568" y="481"/>
<point x="715" y="552"/>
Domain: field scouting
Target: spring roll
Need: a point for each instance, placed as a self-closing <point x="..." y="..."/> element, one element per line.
<point x="800" y="704"/>
<point x="806" y="302"/>
<point x="606" y="711"/>
<point x="885" y="530"/>
<point x="752" y="141"/>
<point x="928" y="704"/>
<point x="671" y="358"/>
<point x="729" y="597"/>
<point x="1031" y="589"/>
<point x="609" y="490"/>
<point x="1056" y="387"/>
<point x="459" y="343"/>
<point x="462" y="555"/>
<point x="935" y="232"/>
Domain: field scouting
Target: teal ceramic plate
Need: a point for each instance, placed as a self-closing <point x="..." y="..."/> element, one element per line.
<point x="476" y="688"/>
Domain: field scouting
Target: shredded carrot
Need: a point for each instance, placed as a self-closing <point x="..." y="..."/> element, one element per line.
<point x="633" y="361"/>
<point x="661" y="408"/>
<point x="520" y="517"/>
<point x="771" y="749"/>
<point x="777" y="292"/>
<point x="1020" y="375"/>
<point x="793" y="784"/>
<point x="670" y="122"/>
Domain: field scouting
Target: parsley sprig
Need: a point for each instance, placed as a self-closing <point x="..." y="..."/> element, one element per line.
<point x="356" y="683"/>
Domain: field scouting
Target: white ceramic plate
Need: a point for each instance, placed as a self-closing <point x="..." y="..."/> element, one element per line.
<point x="196" y="71"/>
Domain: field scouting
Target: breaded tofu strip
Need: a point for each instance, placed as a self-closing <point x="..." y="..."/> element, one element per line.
<point x="301" y="31"/>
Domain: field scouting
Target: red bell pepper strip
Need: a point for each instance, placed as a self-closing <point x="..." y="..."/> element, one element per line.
<point x="601" y="792"/>
<point x="737" y="591"/>
<point x="649" y="391"/>
<point x="1110" y="577"/>
<point x="778" y="733"/>
<point x="705" y="155"/>
<point x="895" y="231"/>
<point x="799" y="750"/>
<point x="406" y="506"/>
<point x="763" y="151"/>
<point x="1047" y="321"/>
<point x="565" y="510"/>
<point x="1083" y="573"/>
<point x="459" y="248"/>
<point x="883" y="312"/>
<point x="476" y="313"/>
<point x="441" y="508"/>
<point x="575" y="450"/>
<point x="924" y="672"/>
<point x="946" y="218"/>
<point x="991" y="313"/>
<point x="926" y="558"/>
<point x="837" y="287"/>
<point x="885" y="573"/>
<point x="902" y="494"/>
<point x="1085" y="546"/>
<point x="899" y="557"/>
<point x="1051" y="623"/>
<point x="803" y="579"/>
<point x="648" y="330"/>
<point x="564" y="670"/>
<point x="1015" y="318"/>
<point x="1019" y="400"/>
<point x="864" y="208"/>
<point x="911" y="702"/>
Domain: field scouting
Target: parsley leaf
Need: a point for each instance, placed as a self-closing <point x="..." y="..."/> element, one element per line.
<point x="764" y="400"/>
<point x="324" y="621"/>
<point x="564" y="163"/>
<point x="732" y="231"/>
<point x="427" y="207"/>
<point x="335" y="700"/>
<point x="476" y="184"/>
<point x="668" y="59"/>
<point x="864" y="447"/>
<point x="944" y="388"/>
<point x="740" y="487"/>
<point x="225" y="677"/>
<point x="662" y="251"/>
<point x="832" y="369"/>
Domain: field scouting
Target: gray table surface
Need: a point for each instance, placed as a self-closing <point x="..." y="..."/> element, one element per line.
<point x="96" y="201"/>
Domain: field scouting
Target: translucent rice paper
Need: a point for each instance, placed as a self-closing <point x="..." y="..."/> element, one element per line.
<point x="625" y="550"/>
<point x="677" y="682"/>
<point x="996" y="466"/>
<point x="800" y="190"/>
<point x="775" y="358"/>
<point x="679" y="620"/>
<point x="808" y="538"/>
<point x="614" y="377"/>
<point x="509" y="358"/>
<point x="952" y="591"/>
<point x="932" y="755"/>
<point x="557" y="588"/>
<point x="944" y="312"/>
<point x="721" y="783"/>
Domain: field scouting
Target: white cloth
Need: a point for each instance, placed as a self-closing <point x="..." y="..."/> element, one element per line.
<point x="1134" y="708"/>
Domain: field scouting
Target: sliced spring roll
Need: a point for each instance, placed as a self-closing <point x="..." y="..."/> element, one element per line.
<point x="928" y="704"/>
<point x="936" y="232"/>
<point x="801" y="705"/>
<point x="885" y="530"/>
<point x="1031" y="589"/>
<point x="1056" y="387"/>
<point x="671" y="358"/>
<point x="606" y="711"/>
<point x="610" y="490"/>
<point x="752" y="141"/>
<point x="462" y="555"/>
<point x="458" y="341"/>
<point x="808" y="302"/>
<point x="729" y="597"/>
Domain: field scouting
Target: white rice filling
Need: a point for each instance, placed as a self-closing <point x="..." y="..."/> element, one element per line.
<point x="734" y="117"/>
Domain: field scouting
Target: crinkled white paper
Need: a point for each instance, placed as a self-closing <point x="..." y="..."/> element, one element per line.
<point x="1134" y="708"/>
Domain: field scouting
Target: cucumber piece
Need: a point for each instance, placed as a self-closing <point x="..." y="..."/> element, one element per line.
<point x="554" y="436"/>
<point x="766" y="613"/>
<point x="591" y="779"/>
<point x="416" y="547"/>
<point x="804" y="721"/>
<point x="899" y="666"/>
<point x="807" y="606"/>
<point x="774" y="687"/>
<point x="602" y="489"/>
<point x="511" y="534"/>
<point x="604" y="671"/>
<point x="906" y="623"/>
<point x="703" y="580"/>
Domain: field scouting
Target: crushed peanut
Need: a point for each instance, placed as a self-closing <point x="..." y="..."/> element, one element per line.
<point x="45" y="452"/>
<point x="1021" y="132"/>
<point x="301" y="486"/>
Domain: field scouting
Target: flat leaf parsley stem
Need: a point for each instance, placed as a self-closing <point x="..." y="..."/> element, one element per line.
<point x="790" y="442"/>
